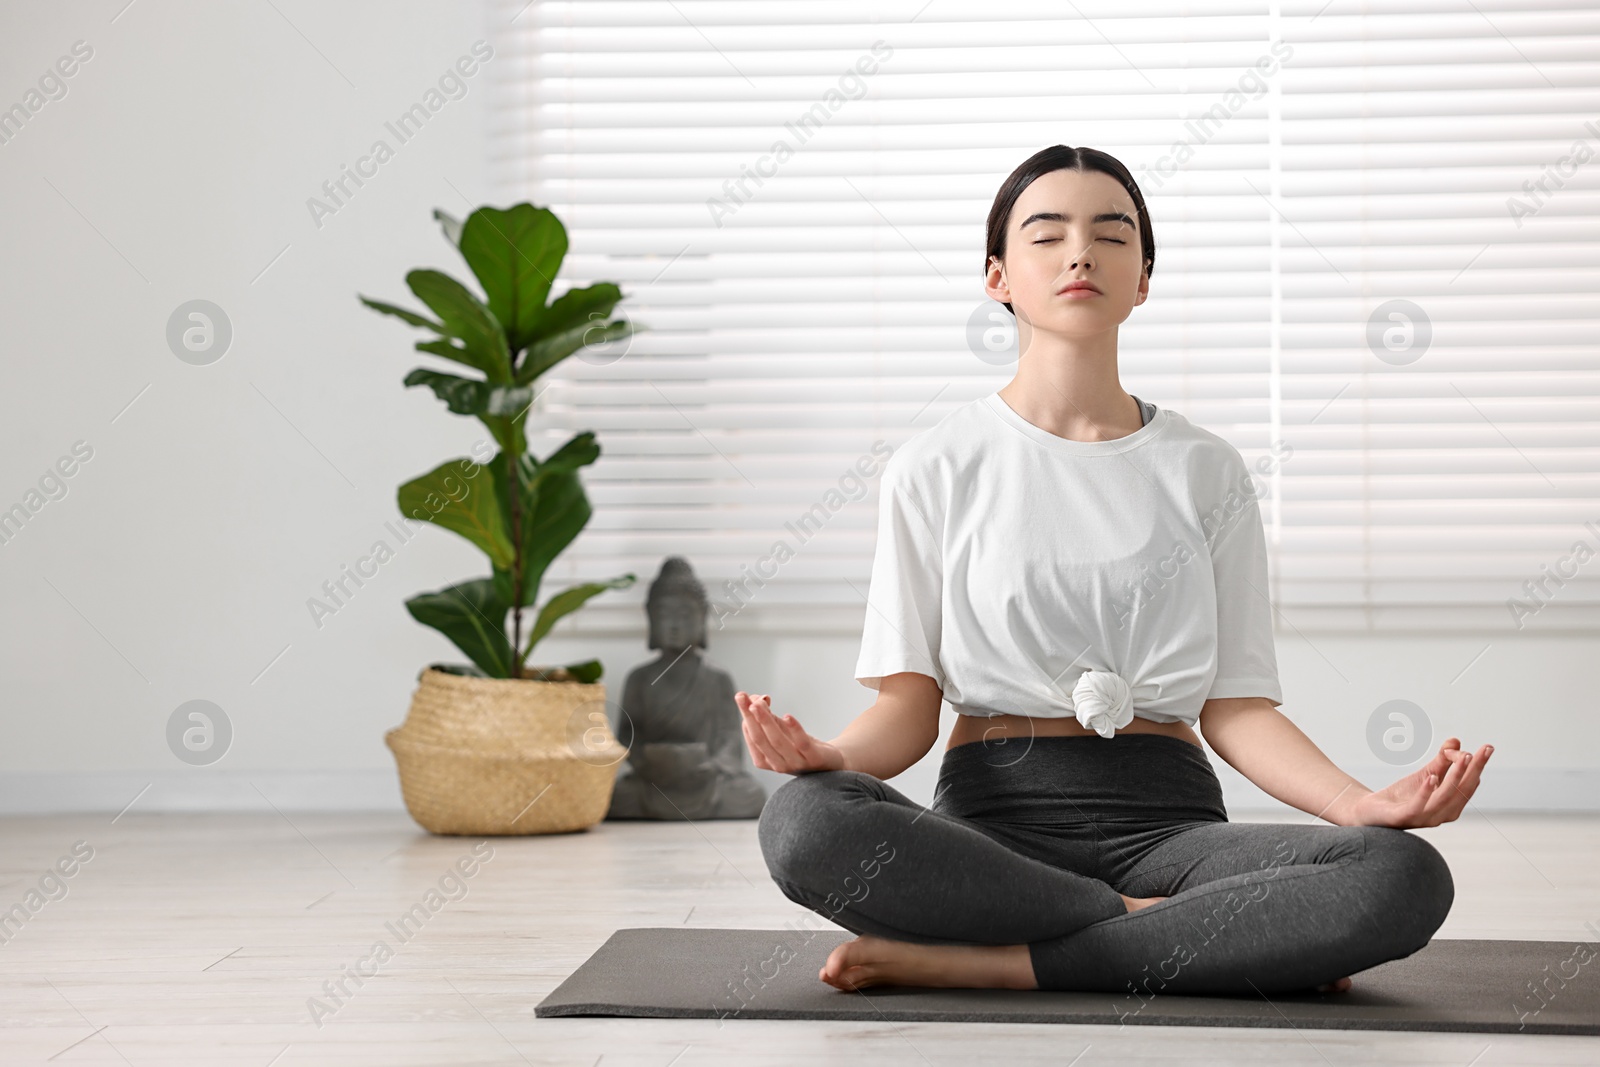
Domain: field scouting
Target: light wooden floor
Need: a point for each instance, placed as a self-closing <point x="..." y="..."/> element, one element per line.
<point x="199" y="940"/>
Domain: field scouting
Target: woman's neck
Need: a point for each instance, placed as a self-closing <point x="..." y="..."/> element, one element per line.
<point x="1069" y="387"/>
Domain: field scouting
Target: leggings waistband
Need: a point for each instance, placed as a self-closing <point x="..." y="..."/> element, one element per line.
<point x="1138" y="777"/>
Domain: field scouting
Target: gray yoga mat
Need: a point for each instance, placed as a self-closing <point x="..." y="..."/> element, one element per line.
<point x="1449" y="985"/>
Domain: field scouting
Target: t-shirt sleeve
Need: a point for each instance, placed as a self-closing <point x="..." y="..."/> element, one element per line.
<point x="901" y="629"/>
<point x="1247" y="661"/>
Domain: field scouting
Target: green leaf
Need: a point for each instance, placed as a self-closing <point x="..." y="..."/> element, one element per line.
<point x="580" y="307"/>
<point x="459" y="496"/>
<point x="450" y="350"/>
<point x="560" y="512"/>
<point x="566" y="602"/>
<point x="589" y="670"/>
<point x="548" y="351"/>
<point x="401" y="313"/>
<point x="503" y="413"/>
<point x="450" y="225"/>
<point x="462" y="670"/>
<point x="527" y="472"/>
<point x="554" y="510"/>
<point x="510" y="401"/>
<point x="580" y="451"/>
<point x="465" y="396"/>
<point x="463" y="316"/>
<point x="474" y="618"/>
<point x="515" y="254"/>
<point x="471" y="396"/>
<point x="507" y="431"/>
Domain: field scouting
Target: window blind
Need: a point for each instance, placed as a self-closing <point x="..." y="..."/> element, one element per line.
<point x="792" y="196"/>
<point x="1437" y="316"/>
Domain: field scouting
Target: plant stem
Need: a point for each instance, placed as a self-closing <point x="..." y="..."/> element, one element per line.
<point x="514" y="471"/>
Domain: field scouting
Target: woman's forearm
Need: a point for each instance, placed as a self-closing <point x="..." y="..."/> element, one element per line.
<point x="1259" y="742"/>
<point x="891" y="735"/>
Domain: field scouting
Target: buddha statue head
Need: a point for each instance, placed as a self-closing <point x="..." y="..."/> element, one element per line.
<point x="677" y="607"/>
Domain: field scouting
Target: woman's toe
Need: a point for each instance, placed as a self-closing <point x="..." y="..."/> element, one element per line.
<point x="858" y="978"/>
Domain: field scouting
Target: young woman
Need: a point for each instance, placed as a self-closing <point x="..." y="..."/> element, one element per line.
<point x="1083" y="577"/>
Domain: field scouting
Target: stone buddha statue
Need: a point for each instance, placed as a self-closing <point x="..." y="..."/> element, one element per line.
<point x="686" y="756"/>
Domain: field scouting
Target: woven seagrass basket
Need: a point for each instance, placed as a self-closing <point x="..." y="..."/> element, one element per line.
<point x="505" y="755"/>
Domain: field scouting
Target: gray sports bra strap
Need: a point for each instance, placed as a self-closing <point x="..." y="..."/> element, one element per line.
<point x="1147" y="410"/>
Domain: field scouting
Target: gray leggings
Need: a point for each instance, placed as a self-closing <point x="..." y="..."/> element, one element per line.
<point x="1031" y="841"/>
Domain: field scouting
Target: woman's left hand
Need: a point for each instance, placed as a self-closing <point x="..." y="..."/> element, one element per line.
<point x="1432" y="794"/>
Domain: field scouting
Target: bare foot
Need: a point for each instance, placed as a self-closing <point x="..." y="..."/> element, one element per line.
<point x="869" y="961"/>
<point x="1135" y="903"/>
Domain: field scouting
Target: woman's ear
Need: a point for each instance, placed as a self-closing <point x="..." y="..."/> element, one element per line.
<point x="997" y="289"/>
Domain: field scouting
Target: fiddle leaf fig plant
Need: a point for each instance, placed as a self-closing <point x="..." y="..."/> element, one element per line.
<point x="519" y="510"/>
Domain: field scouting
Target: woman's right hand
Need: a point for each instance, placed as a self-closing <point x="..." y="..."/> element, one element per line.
<point x="783" y="744"/>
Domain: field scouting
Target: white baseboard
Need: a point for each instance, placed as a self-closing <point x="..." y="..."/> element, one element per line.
<point x="45" y="793"/>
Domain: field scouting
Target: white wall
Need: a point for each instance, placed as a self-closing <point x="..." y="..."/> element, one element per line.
<point x="219" y="498"/>
<point x="180" y="560"/>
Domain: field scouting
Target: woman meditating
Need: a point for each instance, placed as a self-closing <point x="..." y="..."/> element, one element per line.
<point x="1083" y="576"/>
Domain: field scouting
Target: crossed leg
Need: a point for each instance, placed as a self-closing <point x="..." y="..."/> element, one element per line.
<point x="1255" y="908"/>
<point x="1250" y="907"/>
<point x="860" y="852"/>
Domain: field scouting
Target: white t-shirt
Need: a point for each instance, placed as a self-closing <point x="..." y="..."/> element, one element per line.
<point x="1033" y="575"/>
